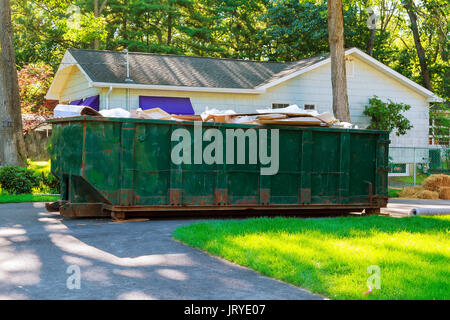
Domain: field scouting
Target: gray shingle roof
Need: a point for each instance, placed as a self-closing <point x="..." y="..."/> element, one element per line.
<point x="175" y="70"/>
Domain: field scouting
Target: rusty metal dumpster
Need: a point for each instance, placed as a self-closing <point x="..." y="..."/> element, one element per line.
<point x="119" y="167"/>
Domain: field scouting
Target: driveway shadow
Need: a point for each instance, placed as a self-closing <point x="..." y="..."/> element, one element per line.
<point x="39" y="252"/>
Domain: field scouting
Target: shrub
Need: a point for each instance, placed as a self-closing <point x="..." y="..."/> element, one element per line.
<point x="17" y="180"/>
<point x="387" y="116"/>
<point x="51" y="182"/>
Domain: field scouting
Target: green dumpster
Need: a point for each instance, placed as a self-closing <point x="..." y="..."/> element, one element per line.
<point x="119" y="167"/>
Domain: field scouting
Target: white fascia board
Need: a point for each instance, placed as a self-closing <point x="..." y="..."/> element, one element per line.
<point x="58" y="82"/>
<point x="384" y="68"/>
<point x="70" y="61"/>
<point x="175" y="88"/>
<point x="66" y="64"/>
<point x="294" y="74"/>
<point x="435" y="99"/>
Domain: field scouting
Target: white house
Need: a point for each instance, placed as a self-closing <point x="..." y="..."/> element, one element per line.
<point x="187" y="84"/>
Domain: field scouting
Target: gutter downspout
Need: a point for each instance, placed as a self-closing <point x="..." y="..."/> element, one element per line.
<point x="107" y="97"/>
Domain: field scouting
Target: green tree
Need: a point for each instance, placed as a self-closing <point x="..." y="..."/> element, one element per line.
<point x="279" y="30"/>
<point x="44" y="29"/>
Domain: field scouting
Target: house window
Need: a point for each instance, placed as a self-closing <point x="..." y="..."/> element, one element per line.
<point x="280" y="105"/>
<point x="309" y="107"/>
<point x="398" y="168"/>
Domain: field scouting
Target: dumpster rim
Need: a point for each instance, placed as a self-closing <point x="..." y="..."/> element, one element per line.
<point x="210" y="124"/>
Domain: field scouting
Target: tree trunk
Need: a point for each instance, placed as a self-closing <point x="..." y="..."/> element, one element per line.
<point x="12" y="145"/>
<point x="371" y="42"/>
<point x="169" y="29"/>
<point x="419" y="49"/>
<point x="337" y="55"/>
<point x="96" y="14"/>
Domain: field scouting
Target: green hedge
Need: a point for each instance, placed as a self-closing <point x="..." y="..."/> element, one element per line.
<point x="20" y="180"/>
<point x="51" y="183"/>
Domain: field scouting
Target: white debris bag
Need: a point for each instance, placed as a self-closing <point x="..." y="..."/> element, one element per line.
<point x="67" y="110"/>
<point x="115" y="113"/>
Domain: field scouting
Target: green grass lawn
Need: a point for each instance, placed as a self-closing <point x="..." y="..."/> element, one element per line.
<point x="39" y="167"/>
<point x="330" y="256"/>
<point x="394" y="193"/>
<point x="14" y="198"/>
<point x="410" y="179"/>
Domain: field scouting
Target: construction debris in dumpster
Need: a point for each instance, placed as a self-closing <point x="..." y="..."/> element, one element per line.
<point x="291" y="116"/>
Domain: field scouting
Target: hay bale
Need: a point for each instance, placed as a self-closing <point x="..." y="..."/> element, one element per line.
<point x="427" y="195"/>
<point x="410" y="192"/>
<point x="436" y="181"/>
<point x="444" y="193"/>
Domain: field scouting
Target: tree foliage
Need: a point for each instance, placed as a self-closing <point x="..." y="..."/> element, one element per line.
<point x="387" y="116"/>
<point x="34" y="81"/>
<point x="280" y="30"/>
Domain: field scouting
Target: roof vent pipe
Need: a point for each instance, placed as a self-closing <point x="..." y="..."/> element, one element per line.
<point x="127" y="79"/>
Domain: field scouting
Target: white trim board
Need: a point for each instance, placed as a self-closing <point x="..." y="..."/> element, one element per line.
<point x="173" y="88"/>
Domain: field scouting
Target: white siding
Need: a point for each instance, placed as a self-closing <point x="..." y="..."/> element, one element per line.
<point x="77" y="87"/>
<point x="368" y="81"/>
<point x="313" y="87"/>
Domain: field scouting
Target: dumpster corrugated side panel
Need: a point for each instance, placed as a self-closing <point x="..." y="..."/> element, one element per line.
<point x="325" y="172"/>
<point x="362" y="166"/>
<point x="128" y="162"/>
<point x="101" y="157"/>
<point x="321" y="167"/>
<point x="66" y="148"/>
<point x="152" y="164"/>
<point x="284" y="188"/>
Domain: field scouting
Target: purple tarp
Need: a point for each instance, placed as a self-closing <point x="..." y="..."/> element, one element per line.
<point x="93" y="102"/>
<point x="76" y="102"/>
<point x="171" y="105"/>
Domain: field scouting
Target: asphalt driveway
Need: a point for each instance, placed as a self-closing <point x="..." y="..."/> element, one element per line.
<point x="41" y="256"/>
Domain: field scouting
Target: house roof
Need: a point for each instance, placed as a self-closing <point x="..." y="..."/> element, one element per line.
<point x="190" y="73"/>
<point x="184" y="71"/>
